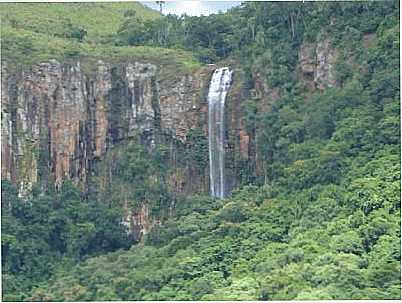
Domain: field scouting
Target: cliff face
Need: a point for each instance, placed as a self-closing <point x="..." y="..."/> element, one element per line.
<point x="57" y="118"/>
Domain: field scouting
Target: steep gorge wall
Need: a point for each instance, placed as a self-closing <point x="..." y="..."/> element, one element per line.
<point x="58" y="117"/>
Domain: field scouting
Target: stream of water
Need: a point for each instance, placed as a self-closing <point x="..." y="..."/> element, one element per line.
<point x="218" y="89"/>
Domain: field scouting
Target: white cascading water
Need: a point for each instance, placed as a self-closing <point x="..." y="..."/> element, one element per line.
<point x="219" y="86"/>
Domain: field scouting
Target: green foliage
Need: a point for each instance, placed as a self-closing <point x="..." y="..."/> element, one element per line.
<point x="249" y="109"/>
<point x="47" y="17"/>
<point x="37" y="234"/>
<point x="36" y="32"/>
<point x="139" y="177"/>
<point x="22" y="47"/>
<point x="197" y="148"/>
<point x="322" y="219"/>
<point x="234" y="213"/>
<point x="344" y="70"/>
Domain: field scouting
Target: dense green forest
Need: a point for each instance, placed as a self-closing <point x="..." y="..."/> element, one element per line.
<point x="322" y="221"/>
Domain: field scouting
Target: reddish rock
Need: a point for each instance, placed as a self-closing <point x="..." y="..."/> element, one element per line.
<point x="244" y="144"/>
<point x="68" y="117"/>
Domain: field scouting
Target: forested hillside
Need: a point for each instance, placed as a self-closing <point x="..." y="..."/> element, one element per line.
<point x="314" y="215"/>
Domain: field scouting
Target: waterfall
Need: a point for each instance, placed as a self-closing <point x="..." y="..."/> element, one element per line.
<point x="219" y="86"/>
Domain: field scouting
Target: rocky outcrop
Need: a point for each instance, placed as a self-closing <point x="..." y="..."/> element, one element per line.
<point x="58" y="117"/>
<point x="139" y="222"/>
<point x="316" y="64"/>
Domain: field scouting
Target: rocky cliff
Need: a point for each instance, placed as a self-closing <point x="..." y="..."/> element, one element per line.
<point x="58" y="117"/>
<point x="317" y="61"/>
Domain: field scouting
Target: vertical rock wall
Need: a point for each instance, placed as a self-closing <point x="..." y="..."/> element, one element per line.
<point x="57" y="118"/>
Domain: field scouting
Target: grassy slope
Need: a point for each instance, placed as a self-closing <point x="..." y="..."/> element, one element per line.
<point x="98" y="19"/>
<point x="27" y="34"/>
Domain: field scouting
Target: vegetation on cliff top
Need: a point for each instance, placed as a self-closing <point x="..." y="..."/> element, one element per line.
<point x="321" y="221"/>
<point x="98" y="20"/>
<point x="32" y="33"/>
